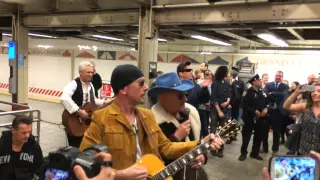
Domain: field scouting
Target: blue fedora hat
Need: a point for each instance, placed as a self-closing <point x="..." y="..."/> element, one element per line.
<point x="170" y="81"/>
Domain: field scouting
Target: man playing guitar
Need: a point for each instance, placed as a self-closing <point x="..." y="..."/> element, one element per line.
<point x="77" y="93"/>
<point x="131" y="132"/>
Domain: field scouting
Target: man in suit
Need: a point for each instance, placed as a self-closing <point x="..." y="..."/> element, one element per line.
<point x="277" y="93"/>
<point x="237" y="91"/>
<point x="237" y="88"/>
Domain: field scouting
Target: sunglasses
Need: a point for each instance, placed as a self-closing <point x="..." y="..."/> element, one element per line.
<point x="188" y="70"/>
<point x="141" y="82"/>
<point x="181" y="96"/>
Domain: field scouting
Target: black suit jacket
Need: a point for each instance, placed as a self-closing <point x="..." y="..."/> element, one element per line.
<point x="277" y="95"/>
<point x="237" y="91"/>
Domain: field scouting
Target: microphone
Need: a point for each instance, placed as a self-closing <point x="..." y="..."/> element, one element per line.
<point x="184" y="115"/>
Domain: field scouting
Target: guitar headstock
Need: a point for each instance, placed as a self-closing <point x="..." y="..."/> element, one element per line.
<point x="230" y="129"/>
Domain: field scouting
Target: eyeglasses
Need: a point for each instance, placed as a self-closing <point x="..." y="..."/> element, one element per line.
<point x="188" y="70"/>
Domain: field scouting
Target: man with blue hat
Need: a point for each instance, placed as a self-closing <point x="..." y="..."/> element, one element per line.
<point x="178" y="120"/>
<point x="255" y="109"/>
<point x="131" y="132"/>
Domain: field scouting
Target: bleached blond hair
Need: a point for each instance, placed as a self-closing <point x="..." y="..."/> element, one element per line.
<point x="84" y="64"/>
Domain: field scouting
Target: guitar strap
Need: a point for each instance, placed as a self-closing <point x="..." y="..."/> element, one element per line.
<point x="148" y="134"/>
<point x="91" y="93"/>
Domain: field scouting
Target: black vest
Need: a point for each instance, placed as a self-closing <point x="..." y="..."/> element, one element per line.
<point x="77" y="96"/>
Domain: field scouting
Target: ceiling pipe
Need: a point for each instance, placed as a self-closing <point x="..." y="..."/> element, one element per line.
<point x="221" y="3"/>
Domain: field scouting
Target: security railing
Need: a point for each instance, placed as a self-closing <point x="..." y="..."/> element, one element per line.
<point x="29" y="109"/>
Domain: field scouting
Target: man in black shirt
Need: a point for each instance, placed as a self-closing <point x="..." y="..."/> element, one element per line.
<point x="20" y="154"/>
<point x="96" y="79"/>
<point x="198" y="94"/>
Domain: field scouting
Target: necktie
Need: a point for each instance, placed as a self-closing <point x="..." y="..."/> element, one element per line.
<point x="277" y="85"/>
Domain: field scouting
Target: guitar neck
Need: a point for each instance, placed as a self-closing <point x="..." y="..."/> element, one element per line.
<point x="180" y="163"/>
<point x="225" y="132"/>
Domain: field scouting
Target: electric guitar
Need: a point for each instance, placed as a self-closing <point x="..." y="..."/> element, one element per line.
<point x="158" y="171"/>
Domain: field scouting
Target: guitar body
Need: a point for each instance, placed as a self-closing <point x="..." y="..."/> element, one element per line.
<point x="153" y="165"/>
<point x="74" y="125"/>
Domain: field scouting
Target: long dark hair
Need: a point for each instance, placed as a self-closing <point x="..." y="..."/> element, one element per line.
<point x="221" y="73"/>
<point x="309" y="99"/>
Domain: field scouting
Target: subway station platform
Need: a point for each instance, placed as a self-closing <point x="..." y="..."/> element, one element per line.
<point x="227" y="168"/>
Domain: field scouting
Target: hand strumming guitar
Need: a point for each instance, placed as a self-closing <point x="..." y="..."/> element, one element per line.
<point x="183" y="130"/>
<point x="133" y="172"/>
<point x="83" y="114"/>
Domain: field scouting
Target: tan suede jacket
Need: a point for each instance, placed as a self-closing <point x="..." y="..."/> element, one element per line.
<point x="110" y="127"/>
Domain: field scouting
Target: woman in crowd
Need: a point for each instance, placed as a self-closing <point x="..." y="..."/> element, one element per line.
<point x="293" y="87"/>
<point x="310" y="119"/>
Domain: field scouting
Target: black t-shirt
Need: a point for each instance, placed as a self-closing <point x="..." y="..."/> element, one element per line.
<point x="19" y="165"/>
<point x="14" y="160"/>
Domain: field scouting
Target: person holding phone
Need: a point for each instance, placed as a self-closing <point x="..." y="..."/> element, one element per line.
<point x="106" y="173"/>
<point x="266" y="175"/>
<point x="309" y="120"/>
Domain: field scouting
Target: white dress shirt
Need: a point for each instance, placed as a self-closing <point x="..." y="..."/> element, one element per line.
<point x="68" y="91"/>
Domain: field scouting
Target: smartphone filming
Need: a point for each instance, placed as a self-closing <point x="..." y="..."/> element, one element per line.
<point x="293" y="168"/>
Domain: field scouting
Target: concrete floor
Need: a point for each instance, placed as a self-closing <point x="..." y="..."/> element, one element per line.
<point x="227" y="168"/>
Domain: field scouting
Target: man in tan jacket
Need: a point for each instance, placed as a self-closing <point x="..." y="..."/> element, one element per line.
<point x="119" y="127"/>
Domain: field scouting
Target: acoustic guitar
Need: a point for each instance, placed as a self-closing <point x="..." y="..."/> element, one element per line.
<point x="158" y="171"/>
<point x="75" y="125"/>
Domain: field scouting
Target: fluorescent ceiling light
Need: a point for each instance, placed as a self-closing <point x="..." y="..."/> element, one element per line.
<point x="163" y="40"/>
<point x="210" y="40"/>
<point x="272" y="39"/>
<point x="32" y="34"/>
<point x="107" y="37"/>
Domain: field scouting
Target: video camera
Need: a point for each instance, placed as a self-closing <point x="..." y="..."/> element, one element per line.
<point x="59" y="165"/>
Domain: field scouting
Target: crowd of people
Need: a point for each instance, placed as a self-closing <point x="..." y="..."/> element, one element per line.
<point x="187" y="109"/>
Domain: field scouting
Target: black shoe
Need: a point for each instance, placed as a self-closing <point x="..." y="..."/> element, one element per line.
<point x="214" y="153"/>
<point x="257" y="157"/>
<point x="220" y="154"/>
<point x="283" y="141"/>
<point x="264" y="151"/>
<point x="242" y="157"/>
<point x="274" y="153"/>
<point x="229" y="141"/>
<point x="291" y="153"/>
